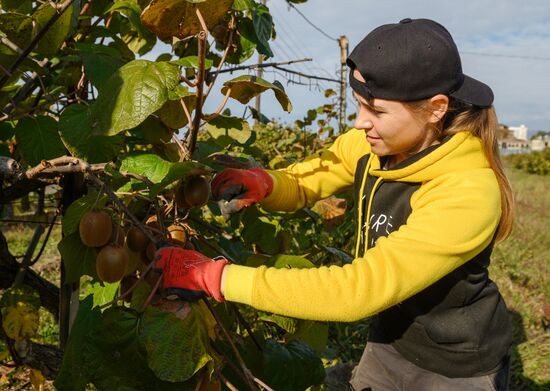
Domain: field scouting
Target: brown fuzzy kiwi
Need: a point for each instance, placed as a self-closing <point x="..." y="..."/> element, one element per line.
<point x="178" y="235"/>
<point x="196" y="191"/>
<point x="95" y="228"/>
<point x="136" y="240"/>
<point x="111" y="263"/>
<point x="150" y="252"/>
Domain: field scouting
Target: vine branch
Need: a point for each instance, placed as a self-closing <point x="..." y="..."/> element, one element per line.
<point x="248" y="374"/>
<point x="202" y="36"/>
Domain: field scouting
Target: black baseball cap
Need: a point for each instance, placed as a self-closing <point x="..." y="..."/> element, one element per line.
<point x="412" y="60"/>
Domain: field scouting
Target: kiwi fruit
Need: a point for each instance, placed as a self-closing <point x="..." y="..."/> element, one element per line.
<point x="111" y="263"/>
<point x="178" y="235"/>
<point x="136" y="240"/>
<point x="95" y="228"/>
<point x="150" y="252"/>
<point x="196" y="191"/>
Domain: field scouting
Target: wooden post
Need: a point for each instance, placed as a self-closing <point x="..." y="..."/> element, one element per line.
<point x="259" y="74"/>
<point x="343" y="42"/>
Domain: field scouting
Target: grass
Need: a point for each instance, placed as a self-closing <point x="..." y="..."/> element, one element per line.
<point x="520" y="267"/>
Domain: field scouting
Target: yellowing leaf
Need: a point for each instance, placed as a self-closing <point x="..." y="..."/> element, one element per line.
<point x="37" y="380"/>
<point x="178" y="18"/>
<point x="331" y="210"/>
<point x="208" y="320"/>
<point x="20" y="321"/>
<point x="4" y="354"/>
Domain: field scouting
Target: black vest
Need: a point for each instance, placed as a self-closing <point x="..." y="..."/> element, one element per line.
<point x="459" y="326"/>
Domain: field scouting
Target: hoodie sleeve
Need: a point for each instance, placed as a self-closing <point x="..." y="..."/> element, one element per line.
<point x="321" y="175"/>
<point x="454" y="218"/>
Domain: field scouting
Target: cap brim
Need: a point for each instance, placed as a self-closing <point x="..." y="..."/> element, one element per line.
<point x="474" y="92"/>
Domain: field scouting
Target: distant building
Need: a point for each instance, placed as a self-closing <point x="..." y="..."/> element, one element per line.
<point x="514" y="145"/>
<point x="519" y="132"/>
<point x="509" y="142"/>
<point x="540" y="142"/>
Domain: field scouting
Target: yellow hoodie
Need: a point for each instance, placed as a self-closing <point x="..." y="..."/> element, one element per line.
<point x="445" y="230"/>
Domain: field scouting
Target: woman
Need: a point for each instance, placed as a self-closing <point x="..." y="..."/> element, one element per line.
<point x="431" y="198"/>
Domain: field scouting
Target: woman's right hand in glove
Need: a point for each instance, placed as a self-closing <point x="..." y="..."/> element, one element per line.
<point x="241" y="188"/>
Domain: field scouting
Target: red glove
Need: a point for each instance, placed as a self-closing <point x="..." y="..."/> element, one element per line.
<point x="190" y="271"/>
<point x="241" y="188"/>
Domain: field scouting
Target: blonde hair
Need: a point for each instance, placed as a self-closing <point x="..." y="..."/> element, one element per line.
<point x="483" y="123"/>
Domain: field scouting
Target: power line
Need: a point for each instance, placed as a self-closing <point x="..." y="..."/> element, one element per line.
<point x="310" y="22"/>
<point x="304" y="75"/>
<point x="507" y="55"/>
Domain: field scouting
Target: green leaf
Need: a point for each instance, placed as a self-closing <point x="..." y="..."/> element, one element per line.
<point x="37" y="139"/>
<point x="172" y="114"/>
<point x="259" y="116"/>
<point x="262" y="232"/>
<point x="161" y="172"/>
<point x="57" y="33"/>
<point x="102" y="292"/>
<point x="7" y="130"/>
<point x="146" y="164"/>
<point x="244" y="88"/>
<point x="4" y="150"/>
<point x="247" y="42"/>
<point x="263" y="25"/>
<point x="152" y="131"/>
<point x="176" y="348"/>
<point x="177" y="171"/>
<point x="17" y="27"/>
<point x="125" y="5"/>
<point x="284" y="322"/>
<point x="243" y="5"/>
<point x="78" y="259"/>
<point x="73" y="374"/>
<point x="24" y="293"/>
<point x="73" y="215"/>
<point x="115" y="360"/>
<point x="21" y="6"/>
<point x="75" y="127"/>
<point x="131" y="94"/>
<point x="140" y="295"/>
<point x="226" y="130"/>
<point x="292" y="367"/>
<point x="291" y="261"/>
<point x="315" y="334"/>
<point x="192" y="62"/>
<point x="100" y="62"/>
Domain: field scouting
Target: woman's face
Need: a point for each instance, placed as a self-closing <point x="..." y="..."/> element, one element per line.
<point x="391" y="128"/>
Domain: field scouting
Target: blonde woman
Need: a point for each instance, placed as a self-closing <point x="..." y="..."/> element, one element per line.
<point x="431" y="200"/>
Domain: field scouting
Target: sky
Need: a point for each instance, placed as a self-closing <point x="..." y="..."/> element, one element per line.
<point x="504" y="43"/>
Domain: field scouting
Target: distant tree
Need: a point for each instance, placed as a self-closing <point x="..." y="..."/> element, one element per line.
<point x="540" y="133"/>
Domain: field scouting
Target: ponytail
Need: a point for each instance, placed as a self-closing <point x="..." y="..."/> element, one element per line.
<point x="483" y="123"/>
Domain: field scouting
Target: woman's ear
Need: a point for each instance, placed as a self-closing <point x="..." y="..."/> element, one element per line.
<point x="439" y="104"/>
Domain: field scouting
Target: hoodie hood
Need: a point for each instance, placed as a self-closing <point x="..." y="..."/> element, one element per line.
<point x="460" y="152"/>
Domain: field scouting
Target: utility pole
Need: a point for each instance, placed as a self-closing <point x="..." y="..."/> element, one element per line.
<point x="259" y="74"/>
<point x="343" y="42"/>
